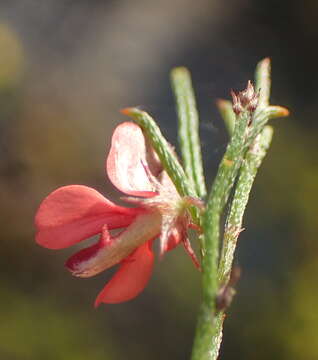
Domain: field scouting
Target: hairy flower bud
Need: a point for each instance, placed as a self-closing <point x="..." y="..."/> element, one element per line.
<point x="237" y="107"/>
<point x="245" y="100"/>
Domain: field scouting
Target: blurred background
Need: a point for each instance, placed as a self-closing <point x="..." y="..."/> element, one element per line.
<point x="66" y="68"/>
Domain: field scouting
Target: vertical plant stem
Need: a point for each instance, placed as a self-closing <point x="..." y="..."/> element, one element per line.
<point x="253" y="160"/>
<point x="247" y="175"/>
<point x="249" y="133"/>
<point x="209" y="325"/>
<point x="188" y="119"/>
<point x="233" y="227"/>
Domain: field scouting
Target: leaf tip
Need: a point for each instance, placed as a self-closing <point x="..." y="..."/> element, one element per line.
<point x="127" y="111"/>
<point x="264" y="63"/>
<point x="179" y="70"/>
<point x="280" y="111"/>
<point x="221" y="103"/>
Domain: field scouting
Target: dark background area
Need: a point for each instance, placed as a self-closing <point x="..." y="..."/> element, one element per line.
<point x="66" y="68"/>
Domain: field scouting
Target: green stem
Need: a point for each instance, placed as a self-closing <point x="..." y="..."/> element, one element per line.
<point x="188" y="128"/>
<point x="233" y="227"/>
<point x="208" y="324"/>
<point x="245" y="136"/>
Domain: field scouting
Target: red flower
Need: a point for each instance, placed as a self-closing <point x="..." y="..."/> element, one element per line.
<point x="73" y="213"/>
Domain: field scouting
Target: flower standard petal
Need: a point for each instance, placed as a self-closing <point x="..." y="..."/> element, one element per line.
<point x="131" y="278"/>
<point x="73" y="213"/>
<point x="125" y="163"/>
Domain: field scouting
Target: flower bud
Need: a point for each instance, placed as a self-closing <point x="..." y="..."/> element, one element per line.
<point x="237" y="107"/>
<point x="245" y="100"/>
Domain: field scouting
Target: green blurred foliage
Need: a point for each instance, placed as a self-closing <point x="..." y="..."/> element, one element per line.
<point x="11" y="61"/>
<point x="35" y="328"/>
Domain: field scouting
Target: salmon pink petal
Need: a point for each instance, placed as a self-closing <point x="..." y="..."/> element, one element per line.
<point x="127" y="159"/>
<point x="131" y="278"/>
<point x="73" y="213"/>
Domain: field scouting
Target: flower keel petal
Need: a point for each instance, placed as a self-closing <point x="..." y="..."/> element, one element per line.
<point x="110" y="251"/>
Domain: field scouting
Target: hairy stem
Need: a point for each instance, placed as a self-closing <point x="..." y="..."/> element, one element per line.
<point x="249" y="140"/>
<point x="209" y="325"/>
<point x="233" y="226"/>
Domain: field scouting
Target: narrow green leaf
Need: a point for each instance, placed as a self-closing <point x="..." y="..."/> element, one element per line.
<point x="263" y="81"/>
<point x="226" y="110"/>
<point x="261" y="118"/>
<point x="188" y="128"/>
